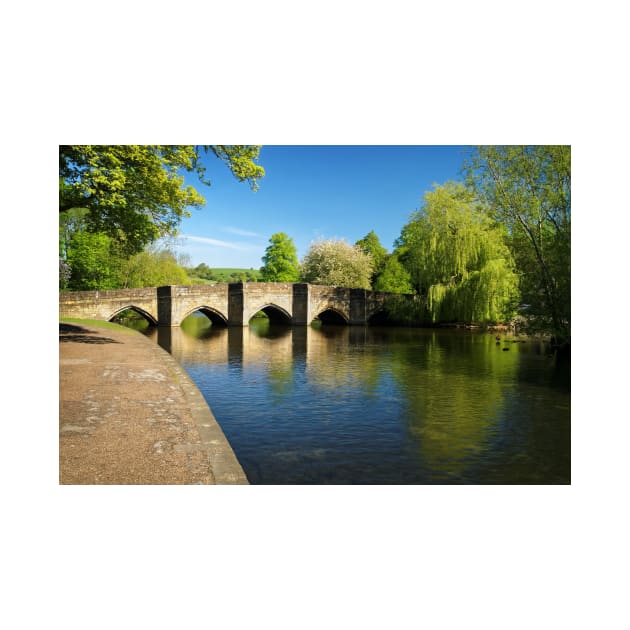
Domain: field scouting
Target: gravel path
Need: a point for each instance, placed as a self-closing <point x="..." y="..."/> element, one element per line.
<point x="129" y="414"/>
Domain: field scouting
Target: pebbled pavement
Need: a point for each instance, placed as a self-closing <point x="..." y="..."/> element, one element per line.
<point x="129" y="414"/>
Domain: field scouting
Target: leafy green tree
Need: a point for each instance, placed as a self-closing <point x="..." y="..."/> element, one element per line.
<point x="394" y="278"/>
<point x="70" y="223"/>
<point x="371" y="245"/>
<point x="153" y="269"/>
<point x="280" y="260"/>
<point x="457" y="258"/>
<point x="93" y="262"/>
<point x="336" y="263"/>
<point x="203" y="271"/>
<point x="136" y="193"/>
<point x="239" y="275"/>
<point x="90" y="260"/>
<point x="528" y="189"/>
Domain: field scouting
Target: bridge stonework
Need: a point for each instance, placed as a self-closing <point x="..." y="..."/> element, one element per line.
<point x="231" y="304"/>
<point x="175" y="303"/>
<point x="107" y="304"/>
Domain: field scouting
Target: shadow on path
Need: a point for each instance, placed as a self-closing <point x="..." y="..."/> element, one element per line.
<point x="69" y="332"/>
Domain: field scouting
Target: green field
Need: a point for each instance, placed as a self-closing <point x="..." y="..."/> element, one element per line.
<point x="227" y="271"/>
<point x="226" y="274"/>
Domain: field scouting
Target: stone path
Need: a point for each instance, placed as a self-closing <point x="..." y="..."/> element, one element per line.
<point x="129" y="414"/>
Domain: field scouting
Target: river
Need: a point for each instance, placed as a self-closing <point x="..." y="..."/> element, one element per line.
<point x="372" y="405"/>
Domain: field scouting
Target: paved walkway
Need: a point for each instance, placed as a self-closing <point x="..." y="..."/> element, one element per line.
<point x="129" y="414"/>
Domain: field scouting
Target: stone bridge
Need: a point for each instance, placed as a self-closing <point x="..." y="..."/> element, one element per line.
<point x="229" y="304"/>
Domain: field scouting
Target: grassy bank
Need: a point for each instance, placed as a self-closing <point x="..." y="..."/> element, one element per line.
<point x="95" y="323"/>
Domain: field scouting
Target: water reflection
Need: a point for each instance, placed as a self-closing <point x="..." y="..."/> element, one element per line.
<point x="456" y="391"/>
<point x="381" y="405"/>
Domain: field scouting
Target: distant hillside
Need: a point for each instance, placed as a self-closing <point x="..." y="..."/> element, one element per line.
<point x="202" y="274"/>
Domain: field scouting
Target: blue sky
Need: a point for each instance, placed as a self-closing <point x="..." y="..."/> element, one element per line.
<point x="312" y="192"/>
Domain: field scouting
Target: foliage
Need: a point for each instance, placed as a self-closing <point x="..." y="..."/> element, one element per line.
<point x="406" y="310"/>
<point x="227" y="274"/>
<point x="240" y="159"/>
<point x="371" y="245"/>
<point x="528" y="189"/>
<point x="203" y="274"/>
<point x="394" y="278"/>
<point x="70" y="222"/>
<point x="93" y="261"/>
<point x="336" y="263"/>
<point x="242" y="275"/>
<point x="136" y="193"/>
<point x="90" y="261"/>
<point x="457" y="258"/>
<point x="152" y="269"/>
<point x="280" y="260"/>
<point x="203" y="271"/>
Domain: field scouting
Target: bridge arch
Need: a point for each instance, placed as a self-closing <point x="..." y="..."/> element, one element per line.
<point x="214" y="315"/>
<point x="332" y="315"/>
<point x="136" y="309"/>
<point x="275" y="313"/>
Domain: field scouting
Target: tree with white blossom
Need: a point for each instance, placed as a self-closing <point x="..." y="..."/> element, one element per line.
<point x="336" y="263"/>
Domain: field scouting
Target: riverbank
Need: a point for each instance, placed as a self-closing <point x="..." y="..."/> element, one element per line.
<point x="129" y="414"/>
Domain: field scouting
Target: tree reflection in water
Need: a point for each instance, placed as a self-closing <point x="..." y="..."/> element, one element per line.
<point x="343" y="404"/>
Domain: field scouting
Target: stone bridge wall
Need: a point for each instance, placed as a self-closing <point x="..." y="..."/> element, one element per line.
<point x="105" y="304"/>
<point x="356" y="306"/>
<point x="175" y="303"/>
<point x="233" y="304"/>
<point x="247" y="298"/>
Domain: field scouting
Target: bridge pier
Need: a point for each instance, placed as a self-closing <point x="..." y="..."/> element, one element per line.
<point x="165" y="306"/>
<point x="236" y="300"/>
<point x="301" y="297"/>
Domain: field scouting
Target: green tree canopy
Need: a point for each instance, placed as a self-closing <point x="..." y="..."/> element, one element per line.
<point x="371" y="245"/>
<point x="528" y="189"/>
<point x="457" y="258"/>
<point x="152" y="268"/>
<point x="280" y="260"/>
<point x="203" y="271"/>
<point x="336" y="263"/>
<point x="394" y="278"/>
<point x="94" y="262"/>
<point x="136" y="193"/>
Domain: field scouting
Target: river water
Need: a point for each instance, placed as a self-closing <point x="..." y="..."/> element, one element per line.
<point x="369" y="405"/>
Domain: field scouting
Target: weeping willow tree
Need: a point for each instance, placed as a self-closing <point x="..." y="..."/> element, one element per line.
<point x="457" y="258"/>
<point x="528" y="189"/>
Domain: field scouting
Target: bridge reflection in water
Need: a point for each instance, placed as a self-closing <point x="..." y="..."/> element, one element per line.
<point x="373" y="405"/>
<point x="260" y="343"/>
